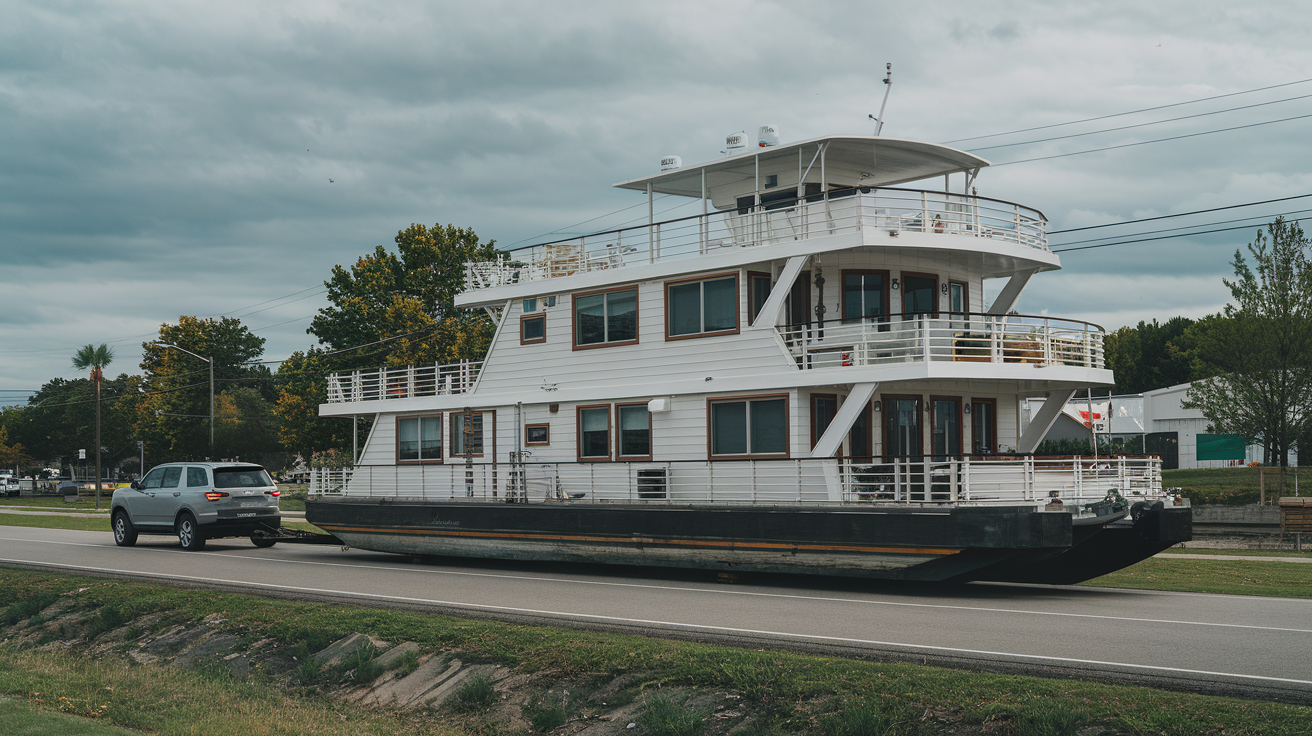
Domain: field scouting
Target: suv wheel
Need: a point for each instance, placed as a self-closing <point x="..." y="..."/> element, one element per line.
<point x="189" y="533"/>
<point x="125" y="534"/>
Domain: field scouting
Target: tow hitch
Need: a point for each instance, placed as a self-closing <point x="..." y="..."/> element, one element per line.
<point x="285" y="535"/>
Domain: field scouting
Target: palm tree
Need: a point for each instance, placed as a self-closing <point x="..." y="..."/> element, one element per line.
<point x="95" y="358"/>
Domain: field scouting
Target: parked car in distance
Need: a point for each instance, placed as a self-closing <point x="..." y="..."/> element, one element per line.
<point x="197" y="501"/>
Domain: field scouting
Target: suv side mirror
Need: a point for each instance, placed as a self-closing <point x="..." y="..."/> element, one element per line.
<point x="136" y="485"/>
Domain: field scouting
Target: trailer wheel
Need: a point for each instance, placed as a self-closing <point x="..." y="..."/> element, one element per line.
<point x="262" y="542"/>
<point x="125" y="534"/>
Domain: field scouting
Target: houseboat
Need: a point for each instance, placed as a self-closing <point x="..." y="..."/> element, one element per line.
<point x="804" y="377"/>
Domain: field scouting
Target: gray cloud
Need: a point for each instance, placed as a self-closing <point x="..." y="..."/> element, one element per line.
<point x="161" y="159"/>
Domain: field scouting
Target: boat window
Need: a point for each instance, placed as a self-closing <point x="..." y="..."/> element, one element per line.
<point x="858" y="439"/>
<point x="532" y="328"/>
<point x="635" y="430"/>
<point x="594" y="432"/>
<point x="706" y="306"/>
<point x="197" y="478"/>
<point x="824" y="407"/>
<point x="537" y="434"/>
<point x="749" y="427"/>
<point x="758" y="291"/>
<point x="419" y="438"/>
<point x="919" y="293"/>
<point x="530" y="305"/>
<point x="459" y="446"/>
<point x="865" y="294"/>
<point x="604" y="318"/>
<point x="957" y="297"/>
<point x="983" y="426"/>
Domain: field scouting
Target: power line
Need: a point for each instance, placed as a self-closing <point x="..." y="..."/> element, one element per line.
<point x="598" y="217"/>
<point x="1166" y="237"/>
<point x="1131" y="112"/>
<point x="1182" y="214"/>
<point x="1139" y="125"/>
<point x="1267" y="218"/>
<point x="1159" y="140"/>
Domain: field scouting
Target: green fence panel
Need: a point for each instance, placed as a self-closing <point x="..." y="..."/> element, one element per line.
<point x="1220" y="447"/>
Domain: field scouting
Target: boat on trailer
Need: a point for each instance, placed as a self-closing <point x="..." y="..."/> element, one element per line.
<point x="688" y="393"/>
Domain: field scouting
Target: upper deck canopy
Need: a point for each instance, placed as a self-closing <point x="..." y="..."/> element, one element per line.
<point x="846" y="161"/>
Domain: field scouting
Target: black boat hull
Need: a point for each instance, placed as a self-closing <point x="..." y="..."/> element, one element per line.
<point x="944" y="545"/>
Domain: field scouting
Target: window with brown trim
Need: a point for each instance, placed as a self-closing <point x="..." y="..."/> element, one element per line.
<point x="919" y="293"/>
<point x="537" y="434"/>
<point x="419" y="439"/>
<point x="983" y="426"/>
<point x="702" y="306"/>
<point x="824" y="407"/>
<point x="593" y="432"/>
<point x="633" y="431"/>
<point x="748" y="426"/>
<point x="532" y="329"/>
<point x="482" y="425"/>
<point x="605" y="318"/>
<point x="865" y="294"/>
<point x="759" y="285"/>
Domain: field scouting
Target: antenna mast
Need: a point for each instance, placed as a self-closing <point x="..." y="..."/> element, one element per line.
<point x="888" y="86"/>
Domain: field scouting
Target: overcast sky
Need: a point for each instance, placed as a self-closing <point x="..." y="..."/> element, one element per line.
<point x="168" y="158"/>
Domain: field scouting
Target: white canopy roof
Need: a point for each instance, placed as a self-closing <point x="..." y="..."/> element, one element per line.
<point x="849" y="161"/>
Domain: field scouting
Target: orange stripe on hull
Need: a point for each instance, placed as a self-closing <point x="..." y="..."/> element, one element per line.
<point x="710" y="543"/>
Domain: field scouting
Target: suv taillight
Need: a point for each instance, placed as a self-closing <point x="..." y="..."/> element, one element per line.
<point x="215" y="495"/>
<point x="273" y="493"/>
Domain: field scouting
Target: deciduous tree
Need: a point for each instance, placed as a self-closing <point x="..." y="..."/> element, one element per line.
<point x="1260" y="349"/>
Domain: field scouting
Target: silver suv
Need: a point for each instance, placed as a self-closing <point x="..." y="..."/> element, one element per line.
<point x="197" y="501"/>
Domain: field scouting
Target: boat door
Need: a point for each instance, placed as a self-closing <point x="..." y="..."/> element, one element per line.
<point x="903" y="445"/>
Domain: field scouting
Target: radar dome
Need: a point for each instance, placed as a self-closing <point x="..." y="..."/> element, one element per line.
<point x="735" y="143"/>
<point x="767" y="135"/>
<point x="669" y="163"/>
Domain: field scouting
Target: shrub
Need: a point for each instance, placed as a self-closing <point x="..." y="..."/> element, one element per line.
<point x="26" y="608"/>
<point x="474" y="694"/>
<point x="661" y="716"/>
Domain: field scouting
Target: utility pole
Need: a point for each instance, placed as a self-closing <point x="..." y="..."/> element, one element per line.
<point x="209" y="360"/>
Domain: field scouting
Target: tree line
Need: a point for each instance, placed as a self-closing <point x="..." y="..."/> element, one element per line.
<point x="391" y="307"/>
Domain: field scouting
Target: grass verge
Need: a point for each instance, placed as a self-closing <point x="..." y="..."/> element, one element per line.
<point x="79" y="523"/>
<point x="22" y="719"/>
<point x="1233" y="577"/>
<point x="789" y="693"/>
<point x="1232" y="486"/>
<point x="1307" y="545"/>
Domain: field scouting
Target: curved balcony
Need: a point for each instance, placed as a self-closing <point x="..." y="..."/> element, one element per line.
<point x="890" y="210"/>
<point x="922" y="338"/>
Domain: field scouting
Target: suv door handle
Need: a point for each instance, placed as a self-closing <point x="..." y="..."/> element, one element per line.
<point x="177" y="493"/>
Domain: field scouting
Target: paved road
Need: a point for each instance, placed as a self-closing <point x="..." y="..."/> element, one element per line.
<point x="1240" y="645"/>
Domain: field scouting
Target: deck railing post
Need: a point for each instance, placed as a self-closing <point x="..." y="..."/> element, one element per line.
<point x="924" y="212"/>
<point x="1047" y="342"/>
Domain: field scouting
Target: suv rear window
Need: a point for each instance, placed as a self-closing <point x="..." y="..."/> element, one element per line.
<point x="241" y="478"/>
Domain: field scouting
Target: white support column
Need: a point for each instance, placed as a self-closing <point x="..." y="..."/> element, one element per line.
<point x="769" y="314"/>
<point x="1040" y="423"/>
<point x="1011" y="292"/>
<point x="852" y="407"/>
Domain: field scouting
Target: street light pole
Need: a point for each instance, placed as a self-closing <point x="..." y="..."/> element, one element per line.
<point x="209" y="360"/>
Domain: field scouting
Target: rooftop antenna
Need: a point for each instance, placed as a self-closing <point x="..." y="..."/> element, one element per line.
<point x="888" y="86"/>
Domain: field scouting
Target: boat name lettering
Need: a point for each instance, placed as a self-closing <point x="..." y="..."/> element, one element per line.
<point x="445" y="522"/>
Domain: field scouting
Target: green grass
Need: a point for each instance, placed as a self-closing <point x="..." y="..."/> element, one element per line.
<point x="661" y="716"/>
<point x="474" y="694"/>
<point x="1307" y="553"/>
<point x="27" y="719"/>
<point x="1234" y="577"/>
<point x="85" y="503"/>
<point x="86" y="524"/>
<point x="802" y="690"/>
<point x="1232" y="486"/>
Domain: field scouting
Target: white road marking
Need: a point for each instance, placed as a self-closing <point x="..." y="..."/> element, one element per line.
<point x="675" y="624"/>
<point x="686" y="589"/>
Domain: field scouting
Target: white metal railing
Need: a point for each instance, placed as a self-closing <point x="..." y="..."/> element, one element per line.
<point x="403" y="382"/>
<point x="921" y="338"/>
<point x="958" y="481"/>
<point x="847" y="211"/>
